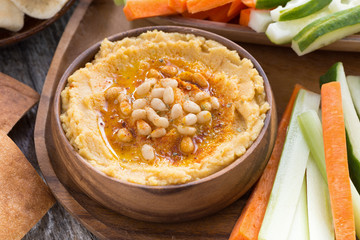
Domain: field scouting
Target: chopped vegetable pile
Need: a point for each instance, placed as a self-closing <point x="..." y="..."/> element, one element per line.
<point x="306" y="24"/>
<point x="310" y="187"/>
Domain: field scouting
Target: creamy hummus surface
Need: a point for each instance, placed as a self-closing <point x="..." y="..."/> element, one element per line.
<point x="163" y="108"/>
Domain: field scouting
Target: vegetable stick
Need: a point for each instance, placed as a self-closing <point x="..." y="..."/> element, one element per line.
<point x="250" y="3"/>
<point x="245" y="17"/>
<point x="336" y="161"/>
<point x="219" y="14"/>
<point x="249" y="223"/>
<point x="195" y="6"/>
<point x="198" y="15"/>
<point x="135" y="9"/>
<point x="177" y="5"/>
<point x="235" y="8"/>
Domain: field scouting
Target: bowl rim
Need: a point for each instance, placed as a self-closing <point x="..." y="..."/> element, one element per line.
<point x="88" y="55"/>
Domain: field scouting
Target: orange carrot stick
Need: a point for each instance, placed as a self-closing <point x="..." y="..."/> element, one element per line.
<point x="337" y="170"/>
<point x="235" y="8"/>
<point x="198" y="15"/>
<point x="249" y="223"/>
<point x="250" y="3"/>
<point x="219" y="14"/>
<point x="177" y="5"/>
<point x="245" y="17"/>
<point x="135" y="9"/>
<point x="195" y="6"/>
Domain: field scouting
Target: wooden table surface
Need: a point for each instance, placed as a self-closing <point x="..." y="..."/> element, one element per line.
<point x="28" y="62"/>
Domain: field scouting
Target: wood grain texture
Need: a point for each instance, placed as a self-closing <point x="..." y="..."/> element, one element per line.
<point x="16" y="99"/>
<point x="28" y="61"/>
<point x="281" y="65"/>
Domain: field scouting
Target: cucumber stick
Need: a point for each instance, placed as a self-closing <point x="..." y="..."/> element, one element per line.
<point x="297" y="9"/>
<point x="259" y="20"/>
<point x="284" y="32"/>
<point x="319" y="206"/>
<point x="326" y="30"/>
<point x="287" y="186"/>
<point x="269" y="4"/>
<point x="352" y="123"/>
<point x="354" y="87"/>
<point x="300" y="225"/>
<point x="311" y="129"/>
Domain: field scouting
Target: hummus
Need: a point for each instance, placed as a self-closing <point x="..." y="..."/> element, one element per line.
<point x="163" y="108"/>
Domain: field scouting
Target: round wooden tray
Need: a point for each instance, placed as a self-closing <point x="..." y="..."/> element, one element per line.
<point x="31" y="26"/>
<point x="281" y="65"/>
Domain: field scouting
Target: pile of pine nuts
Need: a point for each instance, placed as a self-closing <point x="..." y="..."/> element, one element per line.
<point x="154" y="108"/>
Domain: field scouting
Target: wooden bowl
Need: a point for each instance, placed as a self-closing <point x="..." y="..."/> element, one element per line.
<point x="173" y="203"/>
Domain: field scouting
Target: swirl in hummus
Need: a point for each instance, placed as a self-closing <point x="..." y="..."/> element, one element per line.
<point x="163" y="108"/>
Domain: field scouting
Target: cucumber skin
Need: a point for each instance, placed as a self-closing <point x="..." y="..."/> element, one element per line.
<point x="303" y="10"/>
<point x="269" y="4"/>
<point x="317" y="29"/>
<point x="354" y="164"/>
<point x="330" y="75"/>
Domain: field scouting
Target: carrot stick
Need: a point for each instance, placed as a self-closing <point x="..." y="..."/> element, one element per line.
<point x="135" y="9"/>
<point x="219" y="14"/>
<point x="198" y="15"/>
<point x="177" y="5"/>
<point x="249" y="223"/>
<point x="250" y="3"/>
<point x="195" y="6"/>
<point x="337" y="170"/>
<point x="235" y="8"/>
<point x="245" y="17"/>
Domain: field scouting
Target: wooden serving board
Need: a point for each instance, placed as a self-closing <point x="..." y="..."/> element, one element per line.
<point x="94" y="20"/>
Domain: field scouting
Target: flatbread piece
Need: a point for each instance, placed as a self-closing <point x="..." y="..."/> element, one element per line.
<point x="16" y="99"/>
<point x="24" y="197"/>
<point x="41" y="9"/>
<point x="11" y="18"/>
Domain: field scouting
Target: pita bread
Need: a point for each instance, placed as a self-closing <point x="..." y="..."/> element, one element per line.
<point x="41" y="9"/>
<point x="16" y="98"/>
<point x="11" y="18"/>
<point x="24" y="197"/>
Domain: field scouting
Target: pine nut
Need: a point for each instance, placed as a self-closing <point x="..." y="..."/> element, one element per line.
<point x="187" y="145"/>
<point x="152" y="81"/>
<point x="214" y="103"/>
<point x="139" y="103"/>
<point x="157" y="92"/>
<point x="158" y="105"/>
<point x="154" y="74"/>
<point x="169" y="71"/>
<point x="169" y="82"/>
<point x="176" y="111"/>
<point x="191" y="107"/>
<point x="156" y="119"/>
<point x="185" y="130"/>
<point x="159" y="132"/>
<point x="148" y="152"/>
<point x="190" y="119"/>
<point x="143" y="128"/>
<point x="186" y="76"/>
<point x="200" y="80"/>
<point x="125" y="107"/>
<point x="124" y="135"/>
<point x="201" y="96"/>
<point x="204" y="116"/>
<point x="112" y="93"/>
<point x="168" y="95"/>
<point x="138" y="114"/>
<point x="143" y="89"/>
<point x="206" y="106"/>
